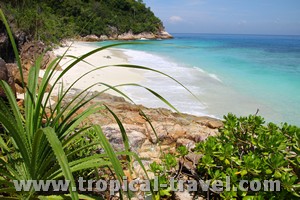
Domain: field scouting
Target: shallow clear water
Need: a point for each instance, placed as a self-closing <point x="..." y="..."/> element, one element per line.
<point x="228" y="73"/>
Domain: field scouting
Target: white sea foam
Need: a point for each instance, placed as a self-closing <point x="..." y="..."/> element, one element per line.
<point x="178" y="96"/>
<point x="199" y="69"/>
<point x="214" y="76"/>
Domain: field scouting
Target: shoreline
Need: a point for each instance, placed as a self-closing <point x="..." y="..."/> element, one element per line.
<point x="202" y="83"/>
<point x="113" y="76"/>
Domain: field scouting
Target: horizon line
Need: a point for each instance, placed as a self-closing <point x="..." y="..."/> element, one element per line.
<point x="262" y="34"/>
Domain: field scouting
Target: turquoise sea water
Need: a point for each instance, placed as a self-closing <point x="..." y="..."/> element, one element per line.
<point x="228" y="73"/>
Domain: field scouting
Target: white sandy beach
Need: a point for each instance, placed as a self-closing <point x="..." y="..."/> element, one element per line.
<point x="110" y="75"/>
<point x="116" y="75"/>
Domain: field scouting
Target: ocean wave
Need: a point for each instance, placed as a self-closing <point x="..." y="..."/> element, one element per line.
<point x="148" y="59"/>
<point x="169" y="89"/>
<point x="213" y="76"/>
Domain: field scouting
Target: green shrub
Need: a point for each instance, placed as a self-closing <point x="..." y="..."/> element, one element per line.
<point x="246" y="149"/>
<point x="167" y="173"/>
<point x="52" y="20"/>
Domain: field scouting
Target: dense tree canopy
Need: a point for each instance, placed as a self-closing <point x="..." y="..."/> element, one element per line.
<point x="51" y="20"/>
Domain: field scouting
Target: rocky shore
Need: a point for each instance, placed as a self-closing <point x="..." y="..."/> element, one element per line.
<point x="127" y="36"/>
<point x="173" y="129"/>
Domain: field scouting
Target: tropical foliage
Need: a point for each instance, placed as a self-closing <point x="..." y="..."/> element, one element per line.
<point x="39" y="141"/>
<point x="168" y="171"/>
<point x="51" y="20"/>
<point x="246" y="149"/>
<point x="248" y="160"/>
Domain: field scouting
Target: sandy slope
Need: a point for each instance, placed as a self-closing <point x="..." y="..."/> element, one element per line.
<point x="110" y="75"/>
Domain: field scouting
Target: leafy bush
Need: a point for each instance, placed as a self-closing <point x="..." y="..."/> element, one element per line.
<point x="167" y="173"/>
<point x="53" y="20"/>
<point x="246" y="149"/>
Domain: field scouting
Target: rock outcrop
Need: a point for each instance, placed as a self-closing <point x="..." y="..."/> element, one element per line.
<point x="90" y="38"/>
<point x="164" y="35"/>
<point x="6" y="50"/>
<point x="131" y="36"/>
<point x="6" y="76"/>
<point x="171" y="129"/>
<point x="127" y="36"/>
<point x="31" y="51"/>
<point x="16" y="76"/>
